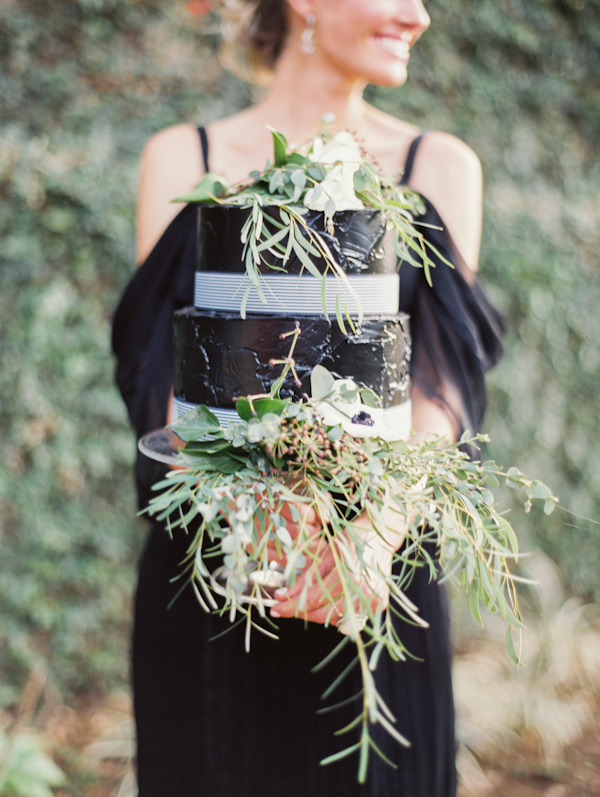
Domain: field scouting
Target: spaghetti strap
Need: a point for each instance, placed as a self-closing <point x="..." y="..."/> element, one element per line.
<point x="410" y="158"/>
<point x="204" y="145"/>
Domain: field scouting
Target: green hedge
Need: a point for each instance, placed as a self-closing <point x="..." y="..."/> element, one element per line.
<point x="83" y="85"/>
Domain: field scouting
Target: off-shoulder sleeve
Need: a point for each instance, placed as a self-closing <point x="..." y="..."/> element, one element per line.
<point x="142" y="335"/>
<point x="456" y="330"/>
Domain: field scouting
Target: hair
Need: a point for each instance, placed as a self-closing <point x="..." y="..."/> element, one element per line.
<point x="254" y="32"/>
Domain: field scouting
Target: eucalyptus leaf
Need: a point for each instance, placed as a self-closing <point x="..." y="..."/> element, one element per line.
<point x="540" y="491"/>
<point x="330" y="208"/>
<point x="284" y="536"/>
<point x="316" y="172"/>
<point x="321" y="383"/>
<point x="299" y="179"/>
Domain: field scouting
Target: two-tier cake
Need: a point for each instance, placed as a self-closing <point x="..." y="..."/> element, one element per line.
<point x="221" y="356"/>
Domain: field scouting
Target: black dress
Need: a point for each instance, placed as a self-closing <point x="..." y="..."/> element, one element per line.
<point x="213" y="720"/>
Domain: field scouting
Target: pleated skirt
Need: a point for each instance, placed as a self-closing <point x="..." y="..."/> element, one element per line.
<point x="215" y="721"/>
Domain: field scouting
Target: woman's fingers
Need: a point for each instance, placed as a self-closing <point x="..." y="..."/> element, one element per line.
<point x="309" y="524"/>
<point x="313" y="589"/>
<point x="318" y="597"/>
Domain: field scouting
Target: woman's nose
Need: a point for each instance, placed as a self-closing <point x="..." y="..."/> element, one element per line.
<point x="412" y="15"/>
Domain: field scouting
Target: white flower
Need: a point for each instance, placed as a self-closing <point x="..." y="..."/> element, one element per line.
<point x="343" y="153"/>
<point x="342" y="148"/>
<point x="343" y="407"/>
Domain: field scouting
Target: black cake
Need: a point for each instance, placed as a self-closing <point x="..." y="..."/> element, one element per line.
<point x="220" y="356"/>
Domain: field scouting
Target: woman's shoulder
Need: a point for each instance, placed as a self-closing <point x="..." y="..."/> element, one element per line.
<point x="443" y="153"/>
<point x="171" y="165"/>
<point x="448" y="172"/>
<point x="174" y="156"/>
<point x="445" y="170"/>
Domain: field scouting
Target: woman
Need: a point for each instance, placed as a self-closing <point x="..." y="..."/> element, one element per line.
<point x="212" y="720"/>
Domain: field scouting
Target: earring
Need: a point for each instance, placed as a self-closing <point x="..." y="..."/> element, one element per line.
<point x="307" y="37"/>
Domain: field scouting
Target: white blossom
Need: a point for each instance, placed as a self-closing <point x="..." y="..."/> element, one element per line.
<point x="343" y="154"/>
<point x="344" y="407"/>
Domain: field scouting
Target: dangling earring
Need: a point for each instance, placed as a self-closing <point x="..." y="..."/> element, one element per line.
<point x="307" y="37"/>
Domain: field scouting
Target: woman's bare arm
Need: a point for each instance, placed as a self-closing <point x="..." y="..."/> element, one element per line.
<point x="171" y="165"/>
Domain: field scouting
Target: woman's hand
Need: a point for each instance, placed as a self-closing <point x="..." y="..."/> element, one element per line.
<point x="318" y="594"/>
<point x="309" y="525"/>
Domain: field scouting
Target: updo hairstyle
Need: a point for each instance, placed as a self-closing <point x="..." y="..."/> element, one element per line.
<point x="254" y="32"/>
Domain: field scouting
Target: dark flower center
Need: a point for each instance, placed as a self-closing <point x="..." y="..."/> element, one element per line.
<point x="363" y="419"/>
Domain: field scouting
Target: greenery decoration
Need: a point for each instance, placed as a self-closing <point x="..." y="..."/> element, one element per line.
<point x="329" y="174"/>
<point x="334" y="454"/>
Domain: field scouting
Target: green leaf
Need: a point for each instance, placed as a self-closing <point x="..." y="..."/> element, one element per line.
<point x="549" y="506"/>
<point x="514" y="478"/>
<point x="360" y="182"/>
<point x="206" y="446"/>
<point x="509" y="533"/>
<point x="474" y="606"/>
<point x="297" y="159"/>
<point x="305" y="259"/>
<point x="279" y="148"/>
<point x="368" y="397"/>
<point x="540" y="491"/>
<point x="321" y="382"/>
<point x="264" y="405"/>
<point x="335" y="433"/>
<point x="214" y="462"/>
<point x="399" y="447"/>
<point x="244" y="409"/>
<point x="316" y="172"/>
<point x="284" y="536"/>
<point x="338" y="315"/>
<point x="330" y="208"/>
<point x="197" y="423"/>
<point x="342" y="754"/>
<point x="510" y="646"/>
<point x="244" y="302"/>
<point x="306" y="244"/>
<point x="271" y="241"/>
<point x="299" y="179"/>
<point x="209" y="189"/>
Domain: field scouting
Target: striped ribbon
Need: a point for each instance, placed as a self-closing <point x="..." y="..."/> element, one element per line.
<point x="300" y="295"/>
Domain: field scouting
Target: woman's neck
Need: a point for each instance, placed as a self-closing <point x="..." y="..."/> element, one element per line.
<point x="295" y="105"/>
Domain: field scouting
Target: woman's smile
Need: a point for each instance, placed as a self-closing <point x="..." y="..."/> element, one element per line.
<point x="395" y="46"/>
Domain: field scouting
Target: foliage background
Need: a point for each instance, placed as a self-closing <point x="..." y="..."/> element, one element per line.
<point x="83" y="84"/>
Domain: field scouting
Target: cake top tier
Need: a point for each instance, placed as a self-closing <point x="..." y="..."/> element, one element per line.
<point x="361" y="243"/>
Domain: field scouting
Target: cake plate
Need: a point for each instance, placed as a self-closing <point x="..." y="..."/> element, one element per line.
<point x="161" y="445"/>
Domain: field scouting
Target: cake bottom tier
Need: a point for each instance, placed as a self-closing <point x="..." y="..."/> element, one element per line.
<point x="220" y="356"/>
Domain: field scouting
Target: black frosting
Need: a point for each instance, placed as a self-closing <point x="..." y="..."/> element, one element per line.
<point x="361" y="242"/>
<point x="220" y="356"/>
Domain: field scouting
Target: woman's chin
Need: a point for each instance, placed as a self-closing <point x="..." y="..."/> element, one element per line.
<point x="389" y="78"/>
